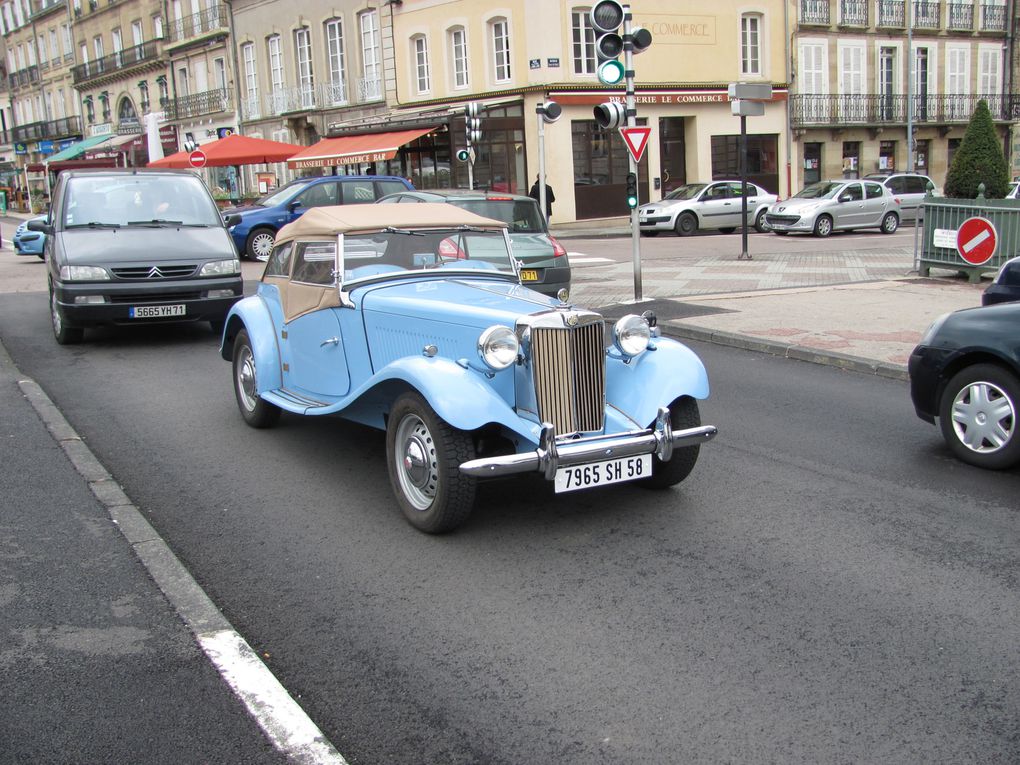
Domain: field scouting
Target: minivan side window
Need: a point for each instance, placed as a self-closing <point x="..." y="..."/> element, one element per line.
<point x="917" y="184"/>
<point x="357" y="192"/>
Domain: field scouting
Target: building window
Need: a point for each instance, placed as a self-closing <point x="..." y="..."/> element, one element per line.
<point x="583" y="41"/>
<point x="420" y="45"/>
<point x="989" y="77"/>
<point x="65" y="30"/>
<point x="458" y="55"/>
<point x="851" y="159"/>
<point x="335" y="57"/>
<point x="306" y="77"/>
<point x="251" y="80"/>
<point x="276" y="74"/>
<point x="54" y="47"/>
<point x="137" y="35"/>
<point x="183" y="86"/>
<point x="750" y="44"/>
<point x="371" y="57"/>
<point x="97" y="46"/>
<point x="500" y="50"/>
<point x="220" y="73"/>
<point x="157" y="27"/>
<point x="41" y="43"/>
<point x="143" y="91"/>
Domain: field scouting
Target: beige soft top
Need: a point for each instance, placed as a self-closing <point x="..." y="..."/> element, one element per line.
<point x="322" y="222"/>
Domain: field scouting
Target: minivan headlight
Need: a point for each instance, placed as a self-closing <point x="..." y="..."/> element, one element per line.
<point x="221" y="268"/>
<point x="498" y="347"/>
<point x="631" y="335"/>
<point x="84" y="274"/>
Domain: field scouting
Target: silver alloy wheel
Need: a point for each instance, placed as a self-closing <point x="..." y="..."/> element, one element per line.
<point x="984" y="417"/>
<point x="890" y="223"/>
<point x="761" y="224"/>
<point x="416" y="462"/>
<point x="262" y="244"/>
<point x="823" y="226"/>
<point x="246" y="383"/>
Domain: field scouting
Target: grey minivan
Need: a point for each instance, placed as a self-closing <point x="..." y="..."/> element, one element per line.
<point x="135" y="246"/>
<point x="827" y="206"/>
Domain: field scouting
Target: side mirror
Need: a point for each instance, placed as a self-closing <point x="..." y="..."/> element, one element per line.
<point x="41" y="226"/>
<point x="845" y="198"/>
<point x="231" y="220"/>
<point x="292" y="206"/>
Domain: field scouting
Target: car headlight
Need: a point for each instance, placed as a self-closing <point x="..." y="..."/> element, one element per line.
<point x="221" y="268"/>
<point x="498" y="347"/>
<point x="929" y="334"/>
<point x="631" y="335"/>
<point x="84" y="274"/>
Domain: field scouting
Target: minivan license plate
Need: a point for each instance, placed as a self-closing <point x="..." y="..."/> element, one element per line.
<point x="603" y="473"/>
<point x="155" y="311"/>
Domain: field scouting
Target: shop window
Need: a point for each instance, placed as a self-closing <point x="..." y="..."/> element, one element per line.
<point x="922" y="149"/>
<point x="951" y="146"/>
<point x="851" y="159"/>
<point x="761" y="160"/>
<point x="887" y="156"/>
<point x="812" y="163"/>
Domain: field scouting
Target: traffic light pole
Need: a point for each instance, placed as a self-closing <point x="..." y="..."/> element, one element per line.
<point x="541" y="164"/>
<point x="628" y="65"/>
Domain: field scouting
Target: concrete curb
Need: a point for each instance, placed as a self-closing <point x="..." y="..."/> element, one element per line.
<point x="789" y="351"/>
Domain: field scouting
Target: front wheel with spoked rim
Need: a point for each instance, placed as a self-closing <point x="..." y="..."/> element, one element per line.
<point x="424" y="455"/>
<point x="255" y="410"/>
<point x="978" y="416"/>
<point x="64" y="334"/>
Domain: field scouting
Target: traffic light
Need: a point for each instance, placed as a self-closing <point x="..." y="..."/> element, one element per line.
<point x="463" y="155"/>
<point x="632" y="195"/>
<point x="610" y="115"/>
<point x="472" y="123"/>
<point x="606" y="17"/>
<point x="549" y="110"/>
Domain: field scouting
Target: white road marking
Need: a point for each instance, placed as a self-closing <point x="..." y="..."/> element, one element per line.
<point x="580" y="257"/>
<point x="276" y="712"/>
<point x="967" y="247"/>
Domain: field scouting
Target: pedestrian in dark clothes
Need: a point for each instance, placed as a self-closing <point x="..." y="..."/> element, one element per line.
<point x="550" y="197"/>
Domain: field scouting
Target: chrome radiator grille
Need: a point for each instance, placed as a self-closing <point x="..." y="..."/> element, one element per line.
<point x="569" y="368"/>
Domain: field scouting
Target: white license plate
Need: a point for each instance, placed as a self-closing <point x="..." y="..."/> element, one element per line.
<point x="155" y="311"/>
<point x="603" y="473"/>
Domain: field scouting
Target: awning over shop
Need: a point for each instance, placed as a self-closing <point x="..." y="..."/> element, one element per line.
<point x="355" y="149"/>
<point x="116" y="144"/>
<point x="76" y="149"/>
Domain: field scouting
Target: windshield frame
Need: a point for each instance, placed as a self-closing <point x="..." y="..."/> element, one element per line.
<point x="674" y="195"/>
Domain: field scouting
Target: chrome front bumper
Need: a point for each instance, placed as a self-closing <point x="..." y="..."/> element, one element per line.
<point x="660" y="440"/>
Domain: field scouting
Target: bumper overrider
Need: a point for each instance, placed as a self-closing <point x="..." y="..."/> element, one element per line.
<point x="551" y="454"/>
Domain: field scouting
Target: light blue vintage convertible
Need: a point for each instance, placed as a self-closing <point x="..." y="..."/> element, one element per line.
<point x="412" y="319"/>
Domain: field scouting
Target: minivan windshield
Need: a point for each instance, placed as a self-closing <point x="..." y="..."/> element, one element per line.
<point x="282" y="194"/>
<point x="821" y="190"/>
<point x="687" y="191"/>
<point x="138" y="198"/>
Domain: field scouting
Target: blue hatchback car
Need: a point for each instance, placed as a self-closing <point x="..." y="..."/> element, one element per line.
<point x="412" y="319"/>
<point x="260" y="221"/>
<point x="28" y="242"/>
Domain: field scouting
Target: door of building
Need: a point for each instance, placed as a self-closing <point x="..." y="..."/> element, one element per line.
<point x="672" y="154"/>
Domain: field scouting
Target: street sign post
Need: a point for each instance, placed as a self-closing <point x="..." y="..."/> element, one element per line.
<point x="197" y="158"/>
<point x="746" y="100"/>
<point x="636" y="139"/>
<point x="977" y="240"/>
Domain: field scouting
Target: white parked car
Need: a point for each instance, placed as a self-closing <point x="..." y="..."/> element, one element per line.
<point x="715" y="205"/>
<point x="828" y="206"/>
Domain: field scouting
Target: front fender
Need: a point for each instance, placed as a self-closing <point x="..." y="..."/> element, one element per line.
<point x="462" y="397"/>
<point x="252" y="314"/>
<point x="655" y="378"/>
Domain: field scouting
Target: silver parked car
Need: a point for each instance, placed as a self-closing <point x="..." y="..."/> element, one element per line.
<point x="909" y="189"/>
<point x="826" y="206"/>
<point x="696" y="206"/>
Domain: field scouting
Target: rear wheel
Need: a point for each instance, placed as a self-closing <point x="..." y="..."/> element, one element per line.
<point x="259" y="244"/>
<point x="890" y="223"/>
<point x="686" y="224"/>
<point x="255" y="410"/>
<point x="978" y="416"/>
<point x="424" y="455"/>
<point x="683" y="413"/>
<point x="823" y="226"/>
<point x="64" y="334"/>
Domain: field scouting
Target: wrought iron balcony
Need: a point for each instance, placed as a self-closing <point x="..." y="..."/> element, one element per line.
<point x="197" y="104"/>
<point x="892" y="13"/>
<point x="961" y="16"/>
<point x="370" y="89"/>
<point x="23" y="77"/>
<point x="853" y="13"/>
<point x="926" y="14"/>
<point x="35" y="131"/>
<point x="139" y="54"/>
<point x="993" y="17"/>
<point x="877" y="110"/>
<point x="212" y="19"/>
<point x="814" y="12"/>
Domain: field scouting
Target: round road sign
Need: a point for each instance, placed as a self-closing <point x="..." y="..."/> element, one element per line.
<point x="976" y="240"/>
<point x="197" y="158"/>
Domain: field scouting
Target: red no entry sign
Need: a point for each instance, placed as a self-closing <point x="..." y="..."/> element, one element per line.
<point x="197" y="158"/>
<point x="976" y="240"/>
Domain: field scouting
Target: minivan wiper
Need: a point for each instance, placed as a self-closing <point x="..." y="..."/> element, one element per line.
<point x="92" y="224"/>
<point x="156" y="222"/>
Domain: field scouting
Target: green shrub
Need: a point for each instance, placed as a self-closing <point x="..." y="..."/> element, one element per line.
<point x="978" y="160"/>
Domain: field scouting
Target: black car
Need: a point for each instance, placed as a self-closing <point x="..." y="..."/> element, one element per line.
<point x="966" y="373"/>
<point x="1006" y="286"/>
<point x="545" y="266"/>
<point x="136" y="246"/>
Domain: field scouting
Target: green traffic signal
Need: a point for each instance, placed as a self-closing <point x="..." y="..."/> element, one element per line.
<point x="632" y="195"/>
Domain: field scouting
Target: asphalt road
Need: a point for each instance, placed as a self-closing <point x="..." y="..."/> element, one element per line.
<point x="828" y="586"/>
